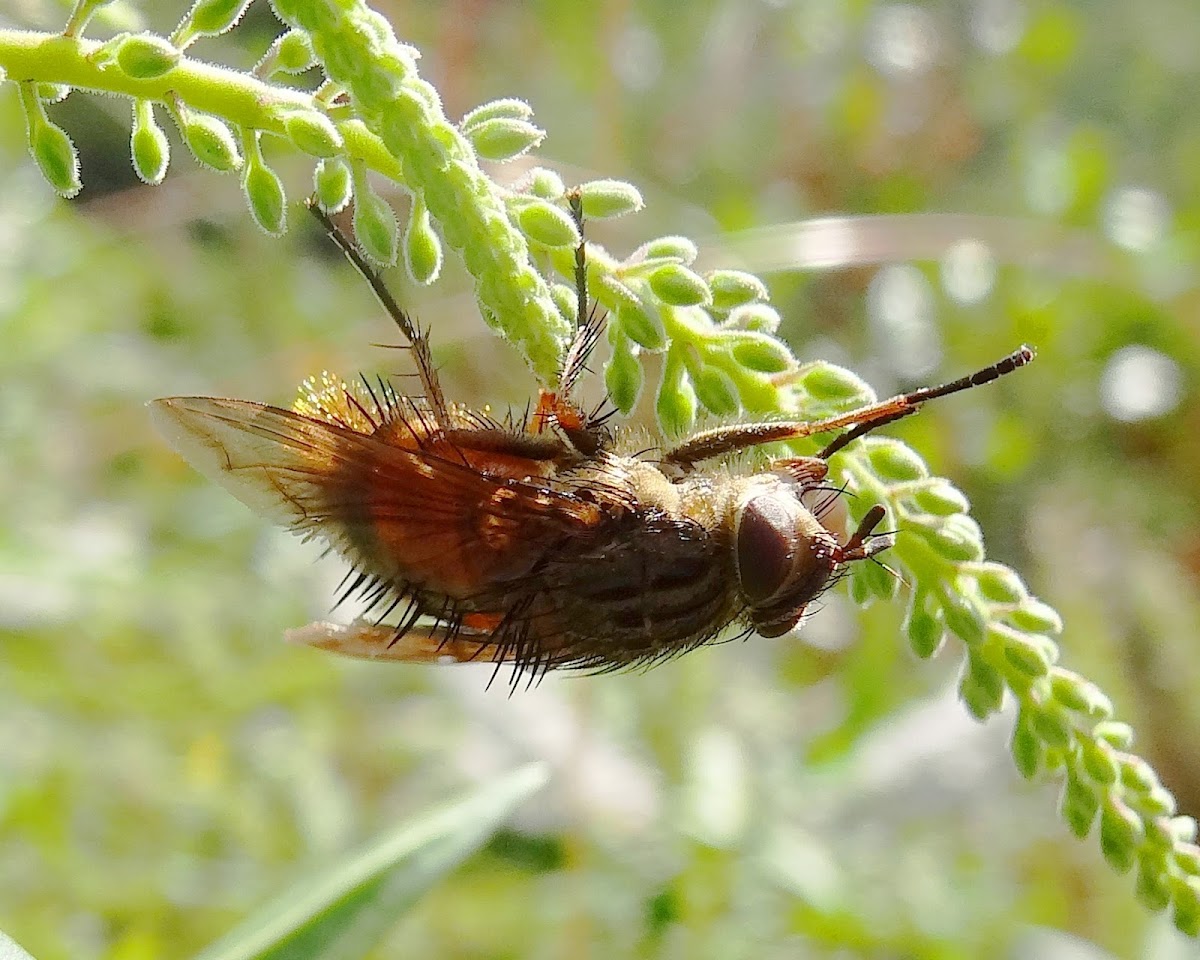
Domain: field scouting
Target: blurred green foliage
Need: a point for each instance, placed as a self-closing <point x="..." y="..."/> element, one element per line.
<point x="166" y="764"/>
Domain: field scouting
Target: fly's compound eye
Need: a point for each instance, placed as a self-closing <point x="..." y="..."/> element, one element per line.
<point x="784" y="560"/>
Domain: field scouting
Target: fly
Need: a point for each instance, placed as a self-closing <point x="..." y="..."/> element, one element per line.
<point x="544" y="545"/>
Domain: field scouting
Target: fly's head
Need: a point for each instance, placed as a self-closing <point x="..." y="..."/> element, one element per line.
<point x="785" y="555"/>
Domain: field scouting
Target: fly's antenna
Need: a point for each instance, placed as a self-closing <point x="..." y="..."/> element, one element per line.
<point x="905" y="405"/>
<point x="418" y="341"/>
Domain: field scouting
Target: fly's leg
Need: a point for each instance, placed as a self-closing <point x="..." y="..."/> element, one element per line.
<point x="417" y="339"/>
<point x="556" y="406"/>
<point x="724" y="440"/>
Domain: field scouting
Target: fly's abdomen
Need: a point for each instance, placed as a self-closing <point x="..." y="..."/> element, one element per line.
<point x="655" y="587"/>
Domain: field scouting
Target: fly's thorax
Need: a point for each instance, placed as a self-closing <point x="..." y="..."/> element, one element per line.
<point x="784" y="556"/>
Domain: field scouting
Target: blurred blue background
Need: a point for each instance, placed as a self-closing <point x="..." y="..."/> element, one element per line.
<point x="924" y="186"/>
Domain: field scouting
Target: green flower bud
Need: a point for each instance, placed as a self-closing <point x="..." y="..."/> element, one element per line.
<point x="675" y="405"/>
<point x="210" y="141"/>
<point x="676" y="249"/>
<point x="939" y="498"/>
<point x="375" y="227"/>
<point x="925" y="630"/>
<point x="333" y="185"/>
<point x="1152" y="890"/>
<point x="1187" y="857"/>
<point x="1098" y="761"/>
<point x="1183" y="830"/>
<point x="876" y="580"/>
<point x="313" y="132"/>
<point x="982" y="689"/>
<point x="604" y="199"/>
<point x="1026" y="657"/>
<point x="894" y="462"/>
<point x="1036" y="617"/>
<point x="1078" y="805"/>
<point x="834" y="385"/>
<point x="209" y="18"/>
<point x="566" y="300"/>
<point x="148" y="144"/>
<point x="1185" y="896"/>
<point x="956" y="538"/>
<point x="1115" y="733"/>
<point x="758" y="317"/>
<point x="962" y="619"/>
<point x="717" y="393"/>
<point x="1027" y="750"/>
<point x="547" y="224"/>
<point x="422" y="248"/>
<point x="56" y="156"/>
<point x="293" y="52"/>
<point x="1082" y="696"/>
<point x="546" y="184"/>
<point x="1120" y="834"/>
<point x="678" y="286"/>
<point x="508" y="108"/>
<point x="1051" y="725"/>
<point x="145" y="56"/>
<point x="643" y="325"/>
<point x="1159" y="802"/>
<point x="503" y="138"/>
<point x="758" y="352"/>
<point x="1137" y="775"/>
<point x="734" y="288"/>
<point x="264" y="191"/>
<point x="998" y="583"/>
<point x="623" y="376"/>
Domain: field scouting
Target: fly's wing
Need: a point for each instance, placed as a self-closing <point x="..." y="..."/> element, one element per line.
<point x="404" y="510"/>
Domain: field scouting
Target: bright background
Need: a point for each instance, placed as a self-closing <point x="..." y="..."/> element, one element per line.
<point x="1013" y="171"/>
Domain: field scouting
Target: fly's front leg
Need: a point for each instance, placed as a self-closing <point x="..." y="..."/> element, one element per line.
<point x="556" y="406"/>
<point x="725" y="440"/>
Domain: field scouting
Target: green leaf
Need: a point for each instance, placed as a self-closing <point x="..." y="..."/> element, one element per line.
<point x="344" y="911"/>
